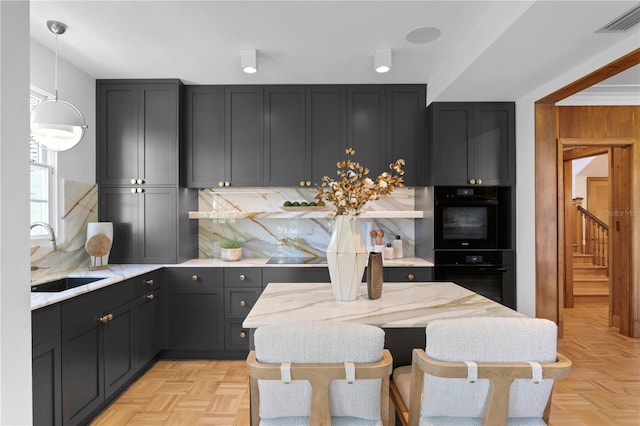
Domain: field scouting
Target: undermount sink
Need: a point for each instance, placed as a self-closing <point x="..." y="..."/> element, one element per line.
<point x="63" y="284"/>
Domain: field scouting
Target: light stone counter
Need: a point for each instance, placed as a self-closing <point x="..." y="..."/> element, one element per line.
<point x="402" y="305"/>
<point x="113" y="274"/>
<point x="262" y="262"/>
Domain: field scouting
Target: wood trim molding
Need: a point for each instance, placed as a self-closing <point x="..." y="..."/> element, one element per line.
<point x="594" y="143"/>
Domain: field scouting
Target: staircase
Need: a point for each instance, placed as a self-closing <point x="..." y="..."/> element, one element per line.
<point x="589" y="280"/>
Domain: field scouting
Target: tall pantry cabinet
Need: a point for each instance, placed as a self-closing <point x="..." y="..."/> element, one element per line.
<point x="139" y="134"/>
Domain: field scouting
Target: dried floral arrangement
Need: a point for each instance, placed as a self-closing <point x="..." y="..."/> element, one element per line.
<point x="354" y="188"/>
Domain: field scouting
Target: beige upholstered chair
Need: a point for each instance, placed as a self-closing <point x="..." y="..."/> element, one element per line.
<point x="319" y="373"/>
<point x="489" y="371"/>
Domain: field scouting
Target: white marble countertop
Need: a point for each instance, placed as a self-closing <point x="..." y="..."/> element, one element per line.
<point x="262" y="262"/>
<point x="112" y="275"/>
<point x="402" y="305"/>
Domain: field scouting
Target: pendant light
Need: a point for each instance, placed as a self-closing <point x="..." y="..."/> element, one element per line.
<point x="57" y="125"/>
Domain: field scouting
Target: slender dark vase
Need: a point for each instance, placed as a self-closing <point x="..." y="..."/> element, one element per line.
<point x="374" y="275"/>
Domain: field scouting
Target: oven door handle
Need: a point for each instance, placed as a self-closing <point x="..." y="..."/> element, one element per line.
<point x="489" y="270"/>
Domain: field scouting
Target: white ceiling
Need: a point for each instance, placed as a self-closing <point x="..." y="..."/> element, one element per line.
<point x="496" y="50"/>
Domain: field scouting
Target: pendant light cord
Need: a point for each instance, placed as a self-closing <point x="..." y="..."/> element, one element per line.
<point x="55" y="72"/>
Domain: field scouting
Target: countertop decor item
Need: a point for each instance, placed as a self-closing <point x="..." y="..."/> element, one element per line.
<point x="231" y="249"/>
<point x="99" y="243"/>
<point x="374" y="276"/>
<point x="346" y="251"/>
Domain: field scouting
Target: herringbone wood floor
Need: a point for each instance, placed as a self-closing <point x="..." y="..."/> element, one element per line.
<point x="603" y="389"/>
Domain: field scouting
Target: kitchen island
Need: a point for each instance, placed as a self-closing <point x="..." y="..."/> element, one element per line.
<point x="403" y="311"/>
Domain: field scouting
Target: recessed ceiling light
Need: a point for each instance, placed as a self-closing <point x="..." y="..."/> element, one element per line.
<point x="423" y="35"/>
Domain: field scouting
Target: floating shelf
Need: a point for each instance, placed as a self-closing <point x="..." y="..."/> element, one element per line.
<point x="310" y="214"/>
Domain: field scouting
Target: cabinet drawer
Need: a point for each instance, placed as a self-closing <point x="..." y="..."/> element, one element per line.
<point x="296" y="275"/>
<point x="236" y="337"/>
<point x="91" y="305"/>
<point x="251" y="277"/>
<point x="146" y="283"/>
<point x="238" y="301"/>
<point x="45" y="323"/>
<point x="409" y="274"/>
<point x="179" y="277"/>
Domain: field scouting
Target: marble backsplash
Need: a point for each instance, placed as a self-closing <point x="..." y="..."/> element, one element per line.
<point x="80" y="206"/>
<point x="269" y="236"/>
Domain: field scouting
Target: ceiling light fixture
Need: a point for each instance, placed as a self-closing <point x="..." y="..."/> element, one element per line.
<point x="382" y="60"/>
<point x="57" y="125"/>
<point x="248" y="61"/>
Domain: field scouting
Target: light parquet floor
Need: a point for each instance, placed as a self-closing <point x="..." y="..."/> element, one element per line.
<point x="603" y="389"/>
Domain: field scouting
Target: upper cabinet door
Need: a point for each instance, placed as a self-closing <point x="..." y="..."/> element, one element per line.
<point x="492" y="154"/>
<point x="285" y="156"/>
<point x="205" y="152"/>
<point x="405" y="131"/>
<point x="158" y="136"/>
<point x="244" y="135"/>
<point x="138" y="137"/>
<point x="117" y="133"/>
<point x="326" y="129"/>
<point x="366" y="126"/>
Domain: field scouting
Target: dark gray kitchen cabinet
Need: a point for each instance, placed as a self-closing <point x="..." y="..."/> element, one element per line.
<point x="148" y="312"/>
<point x="242" y="287"/>
<point x="366" y="122"/>
<point x="471" y="143"/>
<point x="97" y="349"/>
<point x="145" y="223"/>
<point x="408" y="274"/>
<point x="46" y="366"/>
<point x="405" y="131"/>
<point x="244" y="136"/>
<point x="326" y="129"/>
<point x="138" y="125"/>
<point x="205" y="136"/>
<point x="295" y="275"/>
<point x="195" y="314"/>
<point x="287" y="158"/>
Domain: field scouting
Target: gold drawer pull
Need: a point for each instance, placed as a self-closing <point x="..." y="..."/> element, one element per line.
<point x="105" y="319"/>
<point x="194" y="277"/>
<point x="479" y="181"/>
<point x="308" y="183"/>
<point x="243" y="303"/>
<point x="243" y="335"/>
<point x="243" y="277"/>
<point x="150" y="296"/>
<point x="149" y="282"/>
<point x="411" y="277"/>
<point x="472" y="181"/>
<point x="301" y="183"/>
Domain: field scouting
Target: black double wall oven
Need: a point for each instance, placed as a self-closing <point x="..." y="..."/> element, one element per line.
<point x="472" y="241"/>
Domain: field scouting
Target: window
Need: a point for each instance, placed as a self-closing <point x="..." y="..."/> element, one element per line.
<point x="42" y="176"/>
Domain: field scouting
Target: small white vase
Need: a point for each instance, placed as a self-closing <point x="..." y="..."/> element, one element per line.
<point x="346" y="258"/>
<point x="231" y="255"/>
<point x="99" y="243"/>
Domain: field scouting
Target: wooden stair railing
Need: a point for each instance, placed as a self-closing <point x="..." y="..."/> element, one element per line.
<point x="595" y="237"/>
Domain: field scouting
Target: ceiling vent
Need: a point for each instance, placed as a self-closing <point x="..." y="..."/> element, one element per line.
<point x="623" y="22"/>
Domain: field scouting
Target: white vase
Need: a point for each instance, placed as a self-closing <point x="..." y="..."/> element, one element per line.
<point x="346" y="258"/>
<point x="231" y="255"/>
<point x="99" y="243"/>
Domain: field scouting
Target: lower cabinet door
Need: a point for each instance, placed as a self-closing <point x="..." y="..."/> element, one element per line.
<point x="82" y="371"/>
<point x="196" y="318"/>
<point x="147" y="328"/>
<point x="118" y="348"/>
<point x="47" y="393"/>
<point x="236" y="337"/>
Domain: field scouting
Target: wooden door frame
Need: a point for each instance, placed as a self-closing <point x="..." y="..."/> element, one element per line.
<point x="549" y="203"/>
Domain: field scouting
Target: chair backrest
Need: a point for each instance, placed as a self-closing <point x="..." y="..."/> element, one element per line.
<point x="488" y="340"/>
<point x="322" y="343"/>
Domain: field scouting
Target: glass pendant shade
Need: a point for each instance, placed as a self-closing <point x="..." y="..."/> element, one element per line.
<point x="57" y="125"/>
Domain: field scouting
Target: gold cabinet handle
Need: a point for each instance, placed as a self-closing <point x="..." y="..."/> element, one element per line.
<point x="411" y="277"/>
<point x="301" y="183"/>
<point x="243" y="334"/>
<point x="243" y="303"/>
<point x="227" y="183"/>
<point x="221" y="184"/>
<point x="133" y="181"/>
<point x="308" y="183"/>
<point x="133" y="190"/>
<point x="472" y="181"/>
<point x="243" y="277"/>
<point x="150" y="282"/>
<point x="105" y="319"/>
<point x="150" y="297"/>
<point x="139" y="190"/>
<point x="139" y="181"/>
<point x="194" y="277"/>
<point x="479" y="181"/>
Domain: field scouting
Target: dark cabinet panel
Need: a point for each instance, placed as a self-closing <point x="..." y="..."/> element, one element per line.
<point x="46" y="382"/>
<point x="243" y="277"/>
<point x="286" y="158"/>
<point x="326" y="128"/>
<point x="196" y="318"/>
<point x="408" y="274"/>
<point x="239" y="301"/>
<point x="147" y="328"/>
<point x="405" y="129"/>
<point x="295" y="275"/>
<point x="471" y="143"/>
<point x="120" y="206"/>
<point x="118" y="348"/>
<point x="205" y="130"/>
<point x="366" y="126"/>
<point x="244" y="135"/>
<point x="236" y="337"/>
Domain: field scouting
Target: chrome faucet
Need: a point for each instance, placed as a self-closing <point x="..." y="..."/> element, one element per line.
<point x="49" y="229"/>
